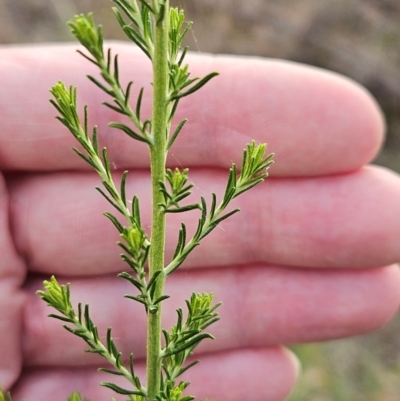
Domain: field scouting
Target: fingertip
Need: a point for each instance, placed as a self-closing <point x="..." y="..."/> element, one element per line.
<point x="368" y="118"/>
<point x="386" y="296"/>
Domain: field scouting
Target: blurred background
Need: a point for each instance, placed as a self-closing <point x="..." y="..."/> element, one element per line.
<point x="358" y="38"/>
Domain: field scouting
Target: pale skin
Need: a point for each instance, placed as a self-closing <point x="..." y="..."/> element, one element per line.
<point x="310" y="257"/>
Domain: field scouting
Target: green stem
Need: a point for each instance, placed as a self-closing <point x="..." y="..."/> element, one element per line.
<point x="158" y="157"/>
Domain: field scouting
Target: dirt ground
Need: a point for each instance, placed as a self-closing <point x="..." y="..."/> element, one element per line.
<point x="358" y="38"/>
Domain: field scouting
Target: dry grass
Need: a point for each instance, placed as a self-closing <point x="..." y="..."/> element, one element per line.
<point x="359" y="38"/>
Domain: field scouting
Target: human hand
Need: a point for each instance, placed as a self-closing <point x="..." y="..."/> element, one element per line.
<point x="309" y="258"/>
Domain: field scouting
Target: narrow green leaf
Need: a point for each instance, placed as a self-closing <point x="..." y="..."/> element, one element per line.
<point x="110" y="200"/>
<point x="132" y="264"/>
<point x="146" y="4"/>
<point x="88" y="321"/>
<point x="123" y="187"/>
<point x="210" y="322"/>
<point x="136" y="210"/>
<point x="128" y="10"/>
<point x="213" y="205"/>
<point x="95" y="143"/>
<point x="166" y="337"/>
<point x="107" y="166"/>
<point x="180" y="319"/>
<point x="199" y="229"/>
<point x="95" y="333"/>
<point x="137" y="299"/>
<point x="64" y="319"/>
<point x="109" y="340"/>
<point x="80" y="312"/>
<point x="196" y="87"/>
<point x="175" y="104"/>
<point x="109" y="187"/>
<point x="100" y="85"/>
<point x="136" y="38"/>
<point x="116" y="70"/>
<point x="113" y="372"/>
<point x="217" y="221"/>
<point x="108" y="68"/>
<point x="185" y="30"/>
<point x="247" y="187"/>
<point x="86" y="158"/>
<point x="162" y="298"/>
<point x="187" y="398"/>
<point x="189" y="82"/>
<point x="146" y="21"/>
<point x="147" y="126"/>
<point x="57" y="106"/>
<point x="128" y="93"/>
<point x="85" y="121"/>
<point x="183" y="54"/>
<point x="115" y="221"/>
<point x="189" y="345"/>
<point x="131" y="368"/>
<point x="128" y="131"/>
<point x="113" y="349"/>
<point x="88" y="58"/>
<point x="125" y="248"/>
<point x="118" y="359"/>
<point x="230" y="187"/>
<point x="79" y="333"/>
<point x="187" y="367"/>
<point x="116" y="109"/>
<point x="139" y="103"/>
<point x="128" y="277"/>
<point x="203" y="209"/>
<point x="183" y="208"/>
<point x="186" y="335"/>
<point x="153" y="279"/>
<point x="120" y="390"/>
<point x="176" y="133"/>
<point x="181" y="241"/>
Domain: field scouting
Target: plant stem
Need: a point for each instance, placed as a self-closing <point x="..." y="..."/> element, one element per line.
<point x="158" y="158"/>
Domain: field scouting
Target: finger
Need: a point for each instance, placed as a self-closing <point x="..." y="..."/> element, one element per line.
<point x="12" y="273"/>
<point x="338" y="221"/>
<point x="316" y="122"/>
<point x="251" y="374"/>
<point x="261" y="307"/>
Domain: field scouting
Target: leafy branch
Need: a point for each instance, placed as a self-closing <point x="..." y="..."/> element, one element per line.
<point x="136" y="244"/>
<point x="58" y="297"/>
<point x="253" y="171"/>
<point x="185" y="336"/>
<point x="91" y="37"/>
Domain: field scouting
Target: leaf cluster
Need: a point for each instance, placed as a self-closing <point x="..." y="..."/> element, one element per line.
<point x="181" y="340"/>
<point x="253" y="171"/>
<point x="179" y="190"/>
